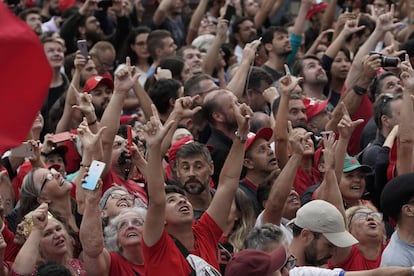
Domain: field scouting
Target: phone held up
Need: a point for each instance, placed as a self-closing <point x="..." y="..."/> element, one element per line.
<point x="83" y="48"/>
<point x="95" y="172"/>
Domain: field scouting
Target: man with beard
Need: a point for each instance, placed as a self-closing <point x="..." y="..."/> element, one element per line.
<point x="194" y="169"/>
<point x="82" y="24"/>
<point x="50" y="8"/>
<point x="314" y="76"/>
<point x="259" y="80"/>
<point x="259" y="162"/>
<point x="318" y="230"/>
<point x="101" y="90"/>
<point x="218" y="109"/>
<point x="33" y="19"/>
<point x="243" y="32"/>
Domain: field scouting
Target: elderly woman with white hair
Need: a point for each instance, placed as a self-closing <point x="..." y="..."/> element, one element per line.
<point x="123" y="253"/>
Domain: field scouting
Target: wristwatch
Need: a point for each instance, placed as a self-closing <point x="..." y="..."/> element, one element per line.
<point x="242" y="139"/>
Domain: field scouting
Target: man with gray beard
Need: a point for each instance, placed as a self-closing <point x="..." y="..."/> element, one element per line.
<point x="194" y="168"/>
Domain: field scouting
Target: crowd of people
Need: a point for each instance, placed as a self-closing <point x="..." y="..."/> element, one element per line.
<point x="240" y="137"/>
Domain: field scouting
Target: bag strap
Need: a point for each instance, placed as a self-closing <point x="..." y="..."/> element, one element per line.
<point x="185" y="253"/>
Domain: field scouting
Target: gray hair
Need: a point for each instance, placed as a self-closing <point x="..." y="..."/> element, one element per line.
<point x="105" y="196"/>
<point x="111" y="231"/>
<point x="261" y="238"/>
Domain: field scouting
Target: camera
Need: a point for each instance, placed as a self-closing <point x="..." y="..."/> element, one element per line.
<point x="386" y="61"/>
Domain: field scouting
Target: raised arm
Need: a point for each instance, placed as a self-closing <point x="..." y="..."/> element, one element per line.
<point x="195" y="21"/>
<point x="406" y="125"/>
<point x="96" y="258"/>
<point x="329" y="15"/>
<point x="287" y="86"/>
<point x="154" y="132"/>
<point x="219" y="208"/>
<point x="124" y="81"/>
<point x="238" y="82"/>
<point x="384" y="24"/>
<point x="161" y="13"/>
<point x="210" y="59"/>
<point x="267" y="9"/>
<point x="29" y="254"/>
<point x="284" y="182"/>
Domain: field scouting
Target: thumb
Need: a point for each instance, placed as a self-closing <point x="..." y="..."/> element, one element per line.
<point x="357" y="122"/>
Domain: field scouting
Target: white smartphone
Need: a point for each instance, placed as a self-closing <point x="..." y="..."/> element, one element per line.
<point x="24" y="150"/>
<point x="95" y="172"/>
<point x="83" y="48"/>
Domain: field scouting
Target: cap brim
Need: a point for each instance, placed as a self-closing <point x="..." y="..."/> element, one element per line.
<point x="278" y="258"/>
<point x="341" y="239"/>
<point x="364" y="168"/>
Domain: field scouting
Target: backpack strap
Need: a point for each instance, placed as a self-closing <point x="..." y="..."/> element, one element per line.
<point x="185" y="253"/>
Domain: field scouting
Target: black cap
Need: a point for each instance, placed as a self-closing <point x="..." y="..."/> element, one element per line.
<point x="397" y="193"/>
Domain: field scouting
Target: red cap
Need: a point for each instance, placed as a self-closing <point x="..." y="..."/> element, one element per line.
<point x="256" y="262"/>
<point x="314" y="107"/>
<point x="94" y="81"/>
<point x="265" y="133"/>
<point x="66" y="4"/>
<point x="316" y="8"/>
<point x="172" y="152"/>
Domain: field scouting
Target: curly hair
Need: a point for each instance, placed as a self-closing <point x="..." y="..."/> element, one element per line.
<point x="111" y="231"/>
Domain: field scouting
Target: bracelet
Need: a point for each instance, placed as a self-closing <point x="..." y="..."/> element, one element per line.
<point x="94" y="122"/>
<point x="242" y="139"/>
<point x="359" y="90"/>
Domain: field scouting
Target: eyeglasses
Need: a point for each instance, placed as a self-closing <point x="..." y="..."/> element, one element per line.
<point x="135" y="222"/>
<point x="104" y="65"/>
<point x="48" y="177"/>
<point x="363" y="215"/>
<point x="290" y="262"/>
<point x="385" y="99"/>
<point x="119" y="196"/>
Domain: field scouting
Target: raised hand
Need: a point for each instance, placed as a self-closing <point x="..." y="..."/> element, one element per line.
<point x="271" y="94"/>
<point x="84" y="103"/>
<point x="93" y="196"/>
<point x="346" y="126"/>
<point x="80" y="61"/>
<point x="288" y="83"/>
<point x="329" y="144"/>
<point x="183" y="107"/>
<point x="243" y="113"/>
<point x="154" y="131"/>
<point x="298" y="141"/>
<point x="385" y="21"/>
<point x="39" y="216"/>
<point x="351" y="26"/>
<point x="249" y="51"/>
<point x="163" y="74"/>
<point x="407" y="73"/>
<point x="222" y="28"/>
<point x="88" y="7"/>
<point x="371" y="64"/>
<point x="89" y="140"/>
<point x="125" y="78"/>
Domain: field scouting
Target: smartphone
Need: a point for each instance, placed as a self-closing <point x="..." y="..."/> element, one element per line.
<point x="83" y="48"/>
<point x="24" y="150"/>
<point x="230" y="11"/>
<point x="60" y="137"/>
<point x="129" y="137"/>
<point x="95" y="172"/>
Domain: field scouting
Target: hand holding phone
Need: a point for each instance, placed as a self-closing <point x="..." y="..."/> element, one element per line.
<point x="24" y="150"/>
<point x="230" y="11"/>
<point x="83" y="48"/>
<point x="129" y="136"/>
<point x="95" y="172"/>
<point x="60" y="137"/>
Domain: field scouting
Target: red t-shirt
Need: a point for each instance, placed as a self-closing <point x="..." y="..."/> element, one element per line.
<point x="122" y="267"/>
<point x="356" y="261"/>
<point x="164" y="257"/>
<point x="303" y="180"/>
<point x="133" y="187"/>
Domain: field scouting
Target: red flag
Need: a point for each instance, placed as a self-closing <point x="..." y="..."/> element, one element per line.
<point x="25" y="76"/>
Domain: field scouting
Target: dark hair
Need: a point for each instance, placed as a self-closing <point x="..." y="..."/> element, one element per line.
<point x="376" y="84"/>
<point x="192" y="85"/>
<point x="193" y="149"/>
<point x="155" y="41"/>
<point x="127" y="51"/>
<point x="257" y="76"/>
<point x="298" y="65"/>
<point x="211" y="104"/>
<point x="175" y="65"/>
<point x="51" y="268"/>
<point x="23" y="15"/>
<point x="382" y="107"/>
<point x="296" y="230"/>
<point x="268" y="35"/>
<point x="236" y="27"/>
<point x="169" y="189"/>
<point x="276" y="103"/>
<point x="162" y="92"/>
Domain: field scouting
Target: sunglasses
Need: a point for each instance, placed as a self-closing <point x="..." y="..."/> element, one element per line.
<point x="290" y="262"/>
<point x="48" y="177"/>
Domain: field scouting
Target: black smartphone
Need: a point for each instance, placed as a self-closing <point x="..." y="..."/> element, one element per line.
<point x="230" y="11"/>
